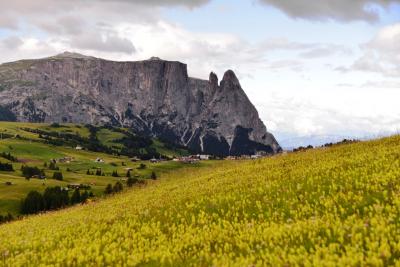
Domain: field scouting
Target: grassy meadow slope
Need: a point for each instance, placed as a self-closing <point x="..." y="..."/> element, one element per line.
<point x="31" y="150"/>
<point x="335" y="206"/>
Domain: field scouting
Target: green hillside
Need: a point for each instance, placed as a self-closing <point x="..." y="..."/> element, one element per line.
<point x="322" y="207"/>
<point x="35" y="145"/>
<point x="106" y="139"/>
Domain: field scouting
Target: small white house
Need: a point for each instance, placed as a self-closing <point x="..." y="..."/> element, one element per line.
<point x="204" y="157"/>
<point x="99" y="160"/>
<point x="79" y="148"/>
<point x="153" y="160"/>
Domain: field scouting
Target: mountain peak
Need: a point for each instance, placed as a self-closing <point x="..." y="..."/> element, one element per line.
<point x="155" y="59"/>
<point x="230" y="78"/>
<point x="68" y="54"/>
<point x="213" y="79"/>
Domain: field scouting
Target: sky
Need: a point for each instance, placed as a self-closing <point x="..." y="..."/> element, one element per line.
<point x="313" y="69"/>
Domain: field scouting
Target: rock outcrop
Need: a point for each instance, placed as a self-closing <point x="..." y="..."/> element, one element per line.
<point x="154" y="96"/>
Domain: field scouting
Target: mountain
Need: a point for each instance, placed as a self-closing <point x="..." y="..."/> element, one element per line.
<point x="314" y="140"/>
<point x="154" y="96"/>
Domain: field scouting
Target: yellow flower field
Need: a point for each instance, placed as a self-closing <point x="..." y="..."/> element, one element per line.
<point x="324" y="207"/>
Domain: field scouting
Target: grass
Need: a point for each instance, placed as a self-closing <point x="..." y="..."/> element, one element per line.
<point x="109" y="136"/>
<point x="337" y="206"/>
<point x="65" y="128"/>
<point x="160" y="146"/>
<point x="37" y="155"/>
<point x="31" y="151"/>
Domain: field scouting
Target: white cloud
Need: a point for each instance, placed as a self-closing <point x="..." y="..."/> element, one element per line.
<point x="81" y="24"/>
<point x="343" y="112"/>
<point x="11" y="42"/>
<point x="102" y="42"/>
<point x="380" y="55"/>
<point x="46" y="13"/>
<point x="341" y="10"/>
<point x="326" y="50"/>
<point x="387" y="84"/>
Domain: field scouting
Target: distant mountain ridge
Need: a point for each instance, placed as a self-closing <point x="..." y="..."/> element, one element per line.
<point x="320" y="140"/>
<point x="154" y="96"/>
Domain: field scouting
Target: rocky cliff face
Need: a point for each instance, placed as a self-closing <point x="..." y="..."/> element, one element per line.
<point x="154" y="96"/>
